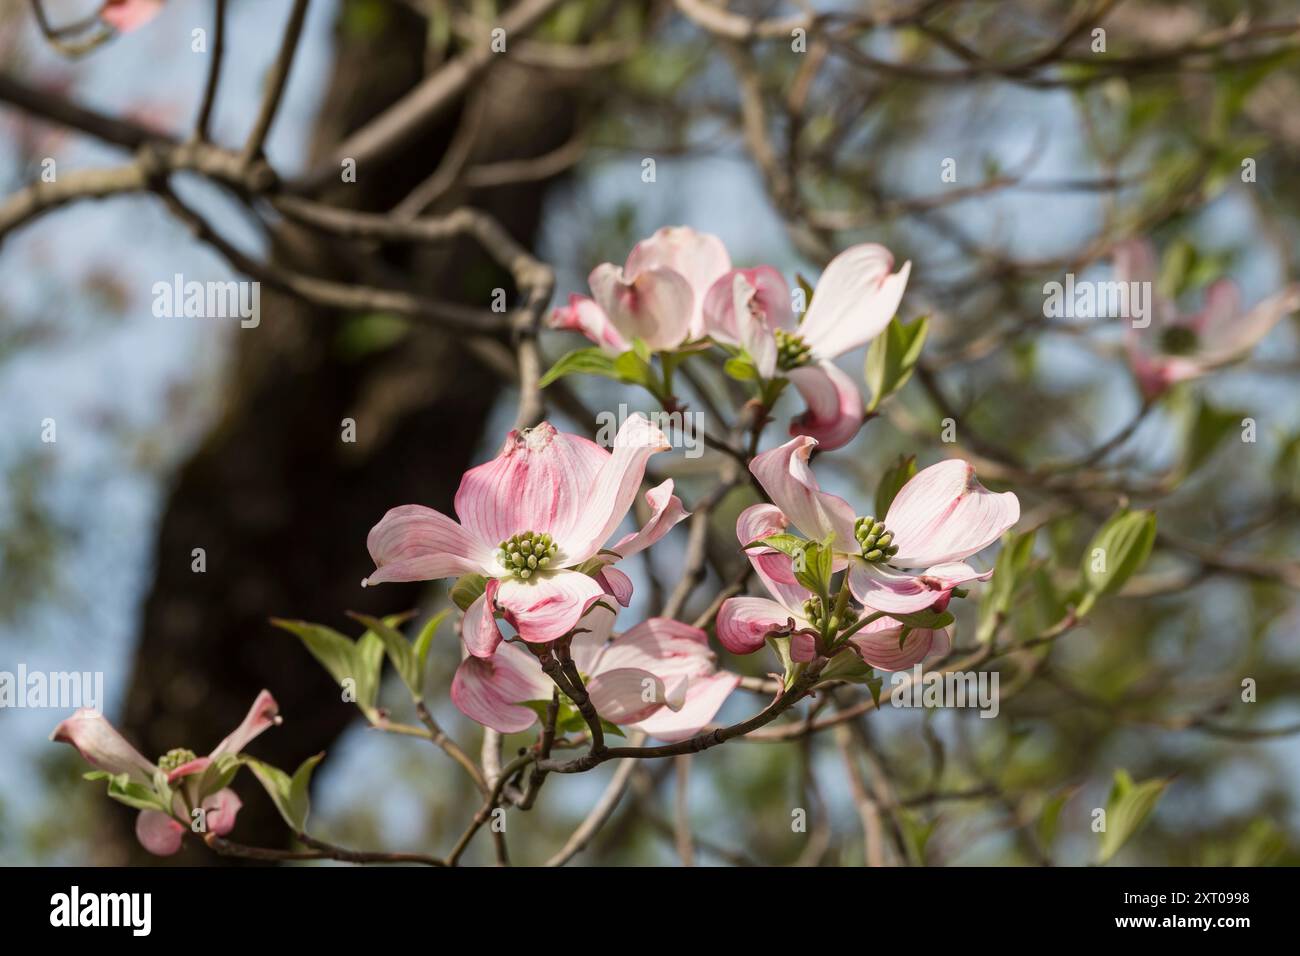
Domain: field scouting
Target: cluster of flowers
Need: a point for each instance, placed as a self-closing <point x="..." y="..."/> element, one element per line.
<point x="678" y="292"/>
<point x="536" y="545"/>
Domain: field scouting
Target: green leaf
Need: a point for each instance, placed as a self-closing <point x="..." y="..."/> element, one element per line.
<point x="1049" y="817"/>
<point x="929" y="619"/>
<point x="741" y="369"/>
<point x="588" y="361"/>
<point x="328" y="646"/>
<point x="399" y="650"/>
<point x="468" y="589"/>
<point x="425" y="638"/>
<point x="812" y="565"/>
<point x="125" y="790"/>
<point x="787" y="544"/>
<point x="892" y="356"/>
<point x="892" y="481"/>
<point x="1120" y="547"/>
<point x="291" y="795"/>
<point x="348" y="662"/>
<point x="1206" y="429"/>
<point x="1127" y="809"/>
<point x="636" y="370"/>
<point x="1012" y="561"/>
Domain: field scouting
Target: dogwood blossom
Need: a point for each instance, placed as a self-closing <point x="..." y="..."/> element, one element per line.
<point x="854" y="301"/>
<point x="535" y="522"/>
<point x="190" y="781"/>
<point x="1176" y="348"/>
<point x="745" y="623"/>
<point x="657" y="296"/>
<point x="658" y="677"/>
<point x="940" y="517"/>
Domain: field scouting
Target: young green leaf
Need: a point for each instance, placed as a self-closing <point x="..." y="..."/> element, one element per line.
<point x="468" y="589"/>
<point x="588" y="361"/>
<point x="1011" y="563"/>
<point x="1120" y="547"/>
<point x="891" y="358"/>
<point x="289" y="794"/>
<point x="399" y="650"/>
<point x="892" y="481"/>
<point x="1127" y="809"/>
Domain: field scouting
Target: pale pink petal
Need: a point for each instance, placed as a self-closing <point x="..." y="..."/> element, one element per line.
<point x="854" y="301"/>
<point x="548" y="606"/>
<point x="803" y="646"/>
<point x="625" y="695"/>
<point x="414" y="543"/>
<point x="479" y="629"/>
<point x="590" y="643"/>
<point x="785" y="475"/>
<point x="665" y="512"/>
<point x="1222" y="307"/>
<point x="877" y="645"/>
<point x="759" y="295"/>
<point x="221" y="809"/>
<point x="99" y="743"/>
<point x="616" y="584"/>
<point x="698" y="257"/>
<point x="835" y="411"/>
<point x="704" y="698"/>
<point x="489" y="690"/>
<point x="606" y="499"/>
<point x="662" y="646"/>
<point x="895" y="592"/>
<point x="1229" y="336"/>
<point x="264" y="713"/>
<point x="190" y="768"/>
<point x="744" y="623"/>
<point x="944" y="514"/>
<point x="654" y="306"/>
<point x="126" y="15"/>
<point x="902" y="592"/>
<point x="158" y="833"/>
<point x="540" y="481"/>
<point x="776" y="570"/>
<point x="1134" y="260"/>
<point x="584" y="315"/>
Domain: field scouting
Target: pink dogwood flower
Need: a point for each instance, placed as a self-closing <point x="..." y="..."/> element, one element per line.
<point x="657" y="296"/>
<point x="659" y="677"/>
<point x="745" y="623"/>
<point x="191" y="782"/>
<point x="535" y="522"/>
<point x="855" y="300"/>
<point x="1176" y="348"/>
<point x="126" y="15"/>
<point x="940" y="517"/>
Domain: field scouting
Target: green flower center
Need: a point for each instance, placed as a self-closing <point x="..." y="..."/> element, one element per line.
<point x="526" y="553"/>
<point x="176" y="757"/>
<point x="815" y="612"/>
<point x="876" y="541"/>
<point x="1178" y="340"/>
<point x="791" y="350"/>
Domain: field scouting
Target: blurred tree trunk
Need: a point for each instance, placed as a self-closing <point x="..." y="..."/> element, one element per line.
<point x="280" y="503"/>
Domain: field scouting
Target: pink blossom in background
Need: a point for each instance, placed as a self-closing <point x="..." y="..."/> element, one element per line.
<point x="546" y="506"/>
<point x="657" y="296"/>
<point x="127" y="15"/>
<point x="658" y="677"/>
<point x="940" y="517"/>
<point x="1176" y="348"/>
<point x="103" y="747"/>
